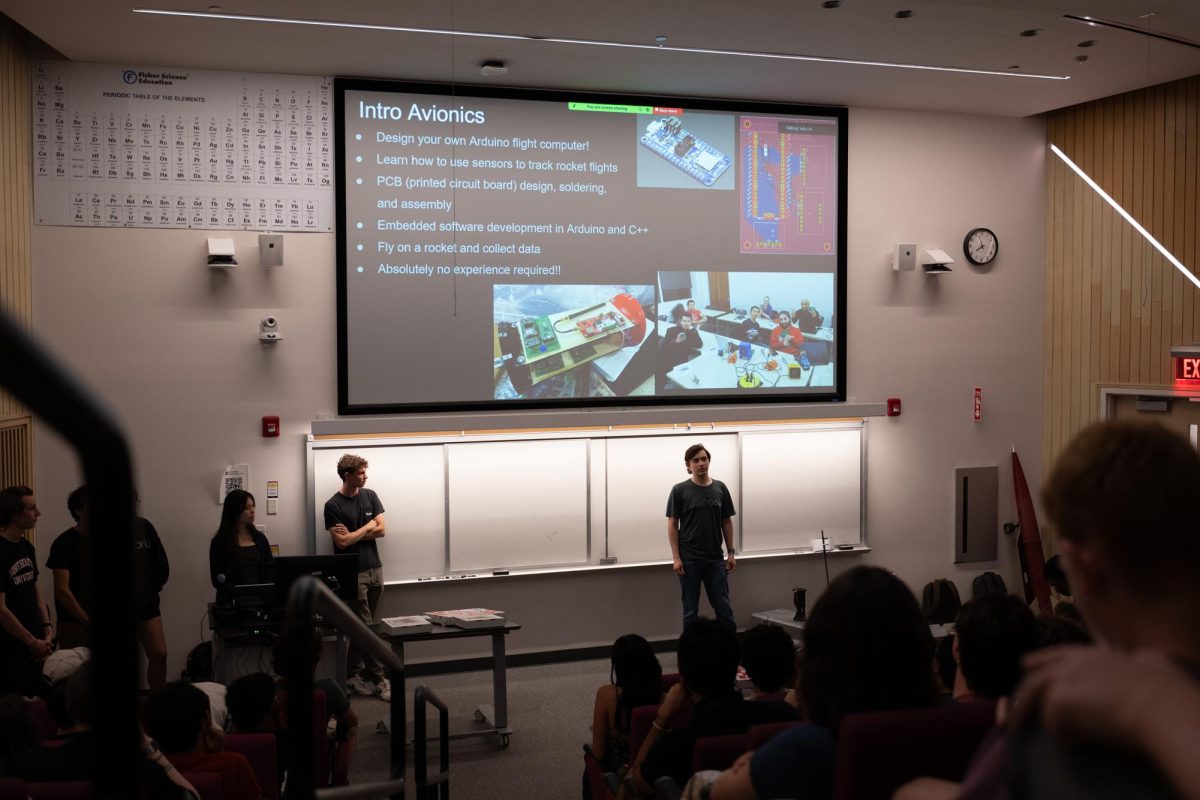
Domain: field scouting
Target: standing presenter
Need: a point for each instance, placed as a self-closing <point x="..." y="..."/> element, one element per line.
<point x="699" y="518"/>
<point x="354" y="518"/>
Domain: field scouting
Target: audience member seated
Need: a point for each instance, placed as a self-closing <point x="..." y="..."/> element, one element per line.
<point x="945" y="665"/>
<point x="694" y="312"/>
<point x="786" y="338"/>
<point x="1056" y="577"/>
<point x="18" y="733"/>
<point x="807" y="318"/>
<point x="1055" y="630"/>
<point x="250" y="702"/>
<point x="769" y="658"/>
<point x="635" y="680"/>
<point x="337" y="702"/>
<point x="866" y="648"/>
<point x="177" y="717"/>
<point x="72" y="759"/>
<point x="752" y="329"/>
<point x="708" y="663"/>
<point x="238" y="554"/>
<point x="682" y="343"/>
<point x="991" y="634"/>
<point x="767" y="310"/>
<point x="1117" y="486"/>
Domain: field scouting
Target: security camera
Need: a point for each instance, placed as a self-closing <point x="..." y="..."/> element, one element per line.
<point x="269" y="329"/>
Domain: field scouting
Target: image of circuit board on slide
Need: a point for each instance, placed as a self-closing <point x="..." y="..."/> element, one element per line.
<point x="670" y="140"/>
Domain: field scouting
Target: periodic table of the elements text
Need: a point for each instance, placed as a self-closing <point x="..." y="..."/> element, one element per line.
<point x="118" y="146"/>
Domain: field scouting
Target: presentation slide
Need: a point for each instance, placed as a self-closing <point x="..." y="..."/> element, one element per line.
<point x="537" y="249"/>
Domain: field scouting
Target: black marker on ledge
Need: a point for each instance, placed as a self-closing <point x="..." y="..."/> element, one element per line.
<point x="499" y="572"/>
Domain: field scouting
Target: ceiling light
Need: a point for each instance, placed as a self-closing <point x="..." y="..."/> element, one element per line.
<point x="831" y="4"/>
<point x="1087" y="43"/>
<point x="904" y="13"/>
<point x="1080" y="59"/>
<point x="660" y="39"/>
<point x="1031" y="32"/>
<point x="492" y="69"/>
<point x="590" y="43"/>
<point x="1175" y="262"/>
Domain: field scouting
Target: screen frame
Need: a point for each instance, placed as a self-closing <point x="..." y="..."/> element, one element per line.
<point x="342" y="85"/>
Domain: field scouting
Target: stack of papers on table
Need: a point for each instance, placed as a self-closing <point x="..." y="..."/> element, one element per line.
<point x="468" y="617"/>
<point x="417" y="624"/>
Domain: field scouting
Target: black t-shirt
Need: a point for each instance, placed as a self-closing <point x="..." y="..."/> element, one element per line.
<point x="755" y="333"/>
<point x="68" y="552"/>
<point x="702" y="511"/>
<point x="675" y="352"/>
<point x="354" y="512"/>
<point x="18" y="582"/>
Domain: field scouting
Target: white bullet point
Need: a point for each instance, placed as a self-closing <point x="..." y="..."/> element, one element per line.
<point x="359" y="226"/>
<point x="358" y="137"/>
<point x="359" y="181"/>
<point x="359" y="248"/>
<point x="358" y="159"/>
<point x="360" y="269"/>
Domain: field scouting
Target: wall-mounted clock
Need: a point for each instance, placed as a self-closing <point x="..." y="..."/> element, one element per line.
<point x="981" y="246"/>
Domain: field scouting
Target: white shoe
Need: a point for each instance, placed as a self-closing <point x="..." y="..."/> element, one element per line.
<point x="361" y="687"/>
<point x="384" y="690"/>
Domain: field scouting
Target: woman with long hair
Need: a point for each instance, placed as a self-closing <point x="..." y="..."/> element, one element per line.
<point x="239" y="554"/>
<point x="866" y="648"/>
<point x="635" y="679"/>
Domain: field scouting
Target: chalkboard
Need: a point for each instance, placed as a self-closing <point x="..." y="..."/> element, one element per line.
<point x="476" y="504"/>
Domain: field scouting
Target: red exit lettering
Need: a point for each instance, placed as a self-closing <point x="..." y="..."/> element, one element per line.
<point x="1187" y="369"/>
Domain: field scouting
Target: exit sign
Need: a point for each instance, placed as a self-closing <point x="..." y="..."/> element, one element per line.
<point x="1186" y="362"/>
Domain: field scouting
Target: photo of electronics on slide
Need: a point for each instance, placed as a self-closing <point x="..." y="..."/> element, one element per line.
<point x="750" y="331"/>
<point x="572" y="341"/>
<point x="507" y="248"/>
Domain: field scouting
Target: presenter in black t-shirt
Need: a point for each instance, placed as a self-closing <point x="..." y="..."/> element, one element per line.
<point x="70" y="563"/>
<point x="354" y="518"/>
<point x="26" y="636"/>
<point x="238" y="554"/>
<point x="699" y="518"/>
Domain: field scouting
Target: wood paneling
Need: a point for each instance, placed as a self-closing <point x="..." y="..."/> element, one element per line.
<point x="1114" y="305"/>
<point x="16" y="195"/>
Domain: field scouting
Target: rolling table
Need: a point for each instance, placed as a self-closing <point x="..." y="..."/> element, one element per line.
<point x="495" y="715"/>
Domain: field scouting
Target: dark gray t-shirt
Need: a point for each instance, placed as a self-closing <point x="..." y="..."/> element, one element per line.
<point x="701" y="511"/>
<point x="354" y="512"/>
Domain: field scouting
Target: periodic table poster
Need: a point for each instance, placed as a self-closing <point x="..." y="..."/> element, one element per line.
<point x="133" y="147"/>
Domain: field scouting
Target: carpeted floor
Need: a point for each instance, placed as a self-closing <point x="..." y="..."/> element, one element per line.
<point x="550" y="711"/>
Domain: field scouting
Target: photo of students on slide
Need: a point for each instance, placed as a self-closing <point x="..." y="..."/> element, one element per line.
<point x="554" y="341"/>
<point x="734" y="344"/>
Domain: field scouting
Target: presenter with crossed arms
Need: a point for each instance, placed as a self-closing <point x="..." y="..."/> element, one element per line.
<point x="699" y="518"/>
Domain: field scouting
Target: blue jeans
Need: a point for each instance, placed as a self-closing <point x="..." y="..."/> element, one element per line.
<point x="716" y="585"/>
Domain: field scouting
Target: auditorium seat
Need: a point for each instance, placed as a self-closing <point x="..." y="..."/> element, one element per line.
<point x="47" y="728"/>
<point x="60" y="790"/>
<point x="208" y="784"/>
<point x="641" y="719"/>
<point x="259" y="749"/>
<point x="760" y="734"/>
<point x="717" y="752"/>
<point x="880" y="751"/>
<point x="12" y="789"/>
<point x="603" y="785"/>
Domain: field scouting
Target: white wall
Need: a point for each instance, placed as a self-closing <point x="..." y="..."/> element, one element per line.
<point x="173" y="348"/>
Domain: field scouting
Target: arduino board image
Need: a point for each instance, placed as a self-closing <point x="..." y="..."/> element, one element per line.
<point x="670" y="140"/>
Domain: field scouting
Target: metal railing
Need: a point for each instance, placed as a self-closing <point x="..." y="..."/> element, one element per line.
<point x="308" y="596"/>
<point x="33" y="377"/>
<point x="440" y="782"/>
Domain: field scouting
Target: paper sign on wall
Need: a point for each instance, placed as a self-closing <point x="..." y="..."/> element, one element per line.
<point x="235" y="476"/>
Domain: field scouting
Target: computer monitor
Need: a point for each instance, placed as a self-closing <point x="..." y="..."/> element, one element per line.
<point x="338" y="572"/>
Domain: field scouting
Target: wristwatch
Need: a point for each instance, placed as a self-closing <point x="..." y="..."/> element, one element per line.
<point x="731" y="551"/>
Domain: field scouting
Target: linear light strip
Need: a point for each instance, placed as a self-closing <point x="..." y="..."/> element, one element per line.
<point x="589" y="43"/>
<point x="1128" y="217"/>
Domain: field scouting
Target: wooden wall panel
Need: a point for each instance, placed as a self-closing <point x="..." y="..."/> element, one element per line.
<point x="1114" y="306"/>
<point x="16" y="194"/>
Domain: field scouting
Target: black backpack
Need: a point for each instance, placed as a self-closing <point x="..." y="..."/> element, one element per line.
<point x="988" y="583"/>
<point x="940" y="602"/>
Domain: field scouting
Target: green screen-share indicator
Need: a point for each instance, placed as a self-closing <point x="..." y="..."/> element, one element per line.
<point x="622" y="109"/>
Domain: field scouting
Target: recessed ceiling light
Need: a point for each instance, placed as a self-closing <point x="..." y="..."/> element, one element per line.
<point x="904" y="13"/>
<point x="1087" y="43"/>
<point x="1081" y="59"/>
<point x="660" y="39"/>
<point x="514" y="37"/>
<point x="492" y="68"/>
<point x="831" y="4"/>
<point x="1031" y="32"/>
<point x="215" y="9"/>
<point x="1014" y="66"/>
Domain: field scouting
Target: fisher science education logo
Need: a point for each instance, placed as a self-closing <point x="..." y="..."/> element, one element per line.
<point x="129" y="76"/>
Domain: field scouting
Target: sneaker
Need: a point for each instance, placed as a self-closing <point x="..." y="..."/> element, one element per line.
<point x="361" y="687"/>
<point x="384" y="690"/>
